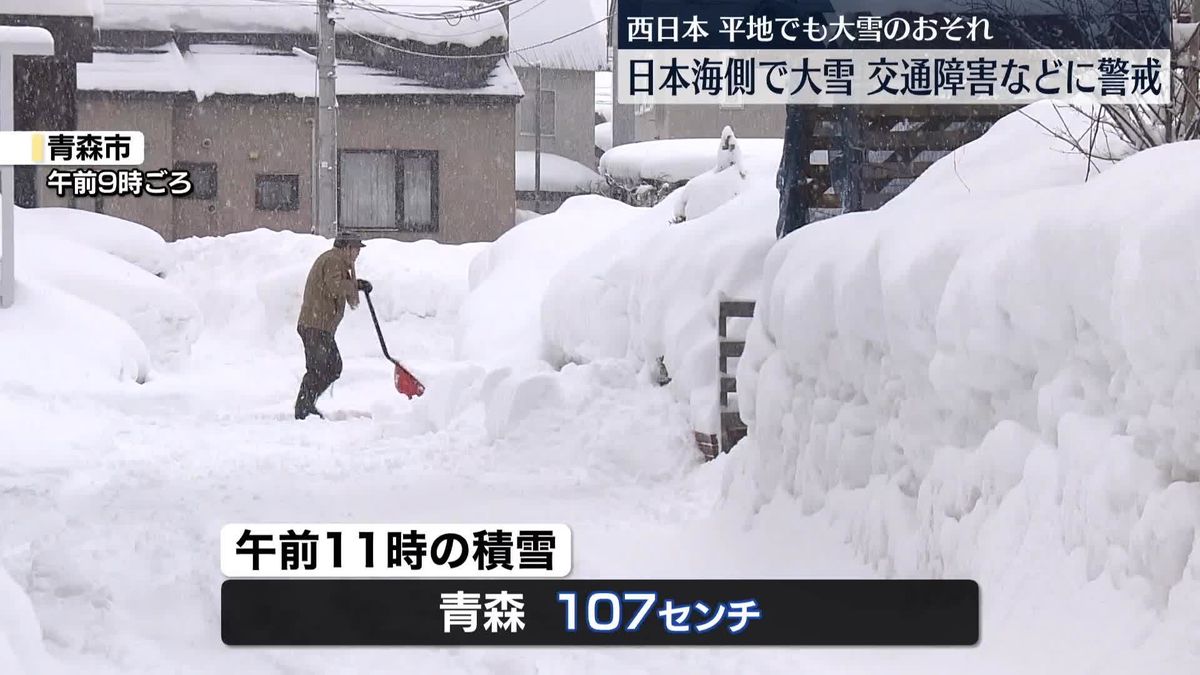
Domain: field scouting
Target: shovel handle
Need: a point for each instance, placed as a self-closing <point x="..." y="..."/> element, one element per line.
<point x="378" y="330"/>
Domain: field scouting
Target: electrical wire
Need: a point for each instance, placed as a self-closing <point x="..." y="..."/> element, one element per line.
<point x="460" y="34"/>
<point x="475" y="56"/>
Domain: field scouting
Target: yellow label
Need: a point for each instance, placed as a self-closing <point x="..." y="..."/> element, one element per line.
<point x="39" y="148"/>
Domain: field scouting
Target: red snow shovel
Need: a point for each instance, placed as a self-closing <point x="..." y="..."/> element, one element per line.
<point x="406" y="382"/>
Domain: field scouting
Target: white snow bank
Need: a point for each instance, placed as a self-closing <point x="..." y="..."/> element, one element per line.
<point x="652" y="288"/>
<point x="251" y="284"/>
<point x="523" y="215"/>
<point x="21" y="648"/>
<point x="108" y="262"/>
<point x="604" y="136"/>
<point x="500" y="322"/>
<point x="1001" y="387"/>
<point x="987" y="166"/>
<point x="129" y="241"/>
<point x="167" y="321"/>
<point x="681" y="159"/>
<point x="604" y="304"/>
<point x="559" y="174"/>
<point x="50" y="339"/>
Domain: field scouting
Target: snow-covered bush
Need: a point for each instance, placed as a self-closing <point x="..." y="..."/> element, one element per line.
<point x="709" y="190"/>
<point x="644" y="173"/>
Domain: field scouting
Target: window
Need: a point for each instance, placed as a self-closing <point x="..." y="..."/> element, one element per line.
<point x="93" y="204"/>
<point x="388" y="190"/>
<point x="204" y="179"/>
<point x="528" y="123"/>
<point x="277" y="192"/>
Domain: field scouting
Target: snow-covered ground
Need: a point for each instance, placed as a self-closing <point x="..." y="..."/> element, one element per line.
<point x="992" y="377"/>
<point x="112" y="494"/>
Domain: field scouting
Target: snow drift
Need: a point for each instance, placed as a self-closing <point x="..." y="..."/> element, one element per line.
<point x="994" y="376"/>
<point x="90" y="301"/>
<point x="559" y="174"/>
<point x="500" y="321"/>
<point x="250" y="284"/>
<point x="681" y="159"/>
<point x="1000" y="387"/>
<point x="113" y="264"/>
<point x="651" y="289"/>
<point x="50" y="338"/>
<point x="127" y="240"/>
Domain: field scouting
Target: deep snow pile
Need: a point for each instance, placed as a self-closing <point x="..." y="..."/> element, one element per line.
<point x="250" y="284"/>
<point x="21" y="648"/>
<point x="89" y="301"/>
<point x="1002" y="387"/>
<point x="681" y="159"/>
<point x="559" y="174"/>
<point x="500" y="321"/>
<point x="994" y="376"/>
<point x="651" y="288"/>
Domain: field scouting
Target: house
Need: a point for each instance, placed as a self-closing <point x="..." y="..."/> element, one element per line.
<point x="426" y="117"/>
<point x="569" y="40"/>
<point x="45" y="86"/>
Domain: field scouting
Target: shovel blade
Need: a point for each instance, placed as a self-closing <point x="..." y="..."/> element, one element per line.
<point x="407" y="383"/>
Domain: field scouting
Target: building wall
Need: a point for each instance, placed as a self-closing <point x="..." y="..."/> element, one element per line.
<point x="575" y="112"/>
<point x="247" y="136"/>
<point x="707" y="121"/>
<point x="151" y="116"/>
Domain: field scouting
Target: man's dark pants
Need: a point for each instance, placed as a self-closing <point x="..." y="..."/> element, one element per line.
<point x="323" y="363"/>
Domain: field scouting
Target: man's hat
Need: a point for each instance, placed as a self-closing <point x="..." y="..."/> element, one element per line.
<point x="348" y="241"/>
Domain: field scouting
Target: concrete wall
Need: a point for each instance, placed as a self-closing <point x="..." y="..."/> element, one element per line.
<point x="247" y="136"/>
<point x="575" y="112"/>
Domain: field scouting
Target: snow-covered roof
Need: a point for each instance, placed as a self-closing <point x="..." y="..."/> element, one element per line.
<point x="300" y="16"/>
<point x="534" y="22"/>
<point x="52" y="7"/>
<point x="207" y="69"/>
<point x="29" y="40"/>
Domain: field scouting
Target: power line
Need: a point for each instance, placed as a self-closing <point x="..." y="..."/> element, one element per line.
<point x="477" y="56"/>
<point x="458" y="34"/>
<point x="458" y="13"/>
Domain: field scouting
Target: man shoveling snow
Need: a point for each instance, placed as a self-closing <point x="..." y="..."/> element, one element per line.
<point x="331" y="285"/>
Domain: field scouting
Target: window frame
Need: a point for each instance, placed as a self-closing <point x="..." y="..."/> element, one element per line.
<point x="292" y="178"/>
<point x="553" y="116"/>
<point x="191" y="167"/>
<point x="398" y="155"/>
<point x="97" y="201"/>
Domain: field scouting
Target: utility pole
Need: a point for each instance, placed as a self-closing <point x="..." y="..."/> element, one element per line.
<point x="327" y="158"/>
<point x="537" y="142"/>
<point x="14" y="41"/>
<point x="623" y="116"/>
